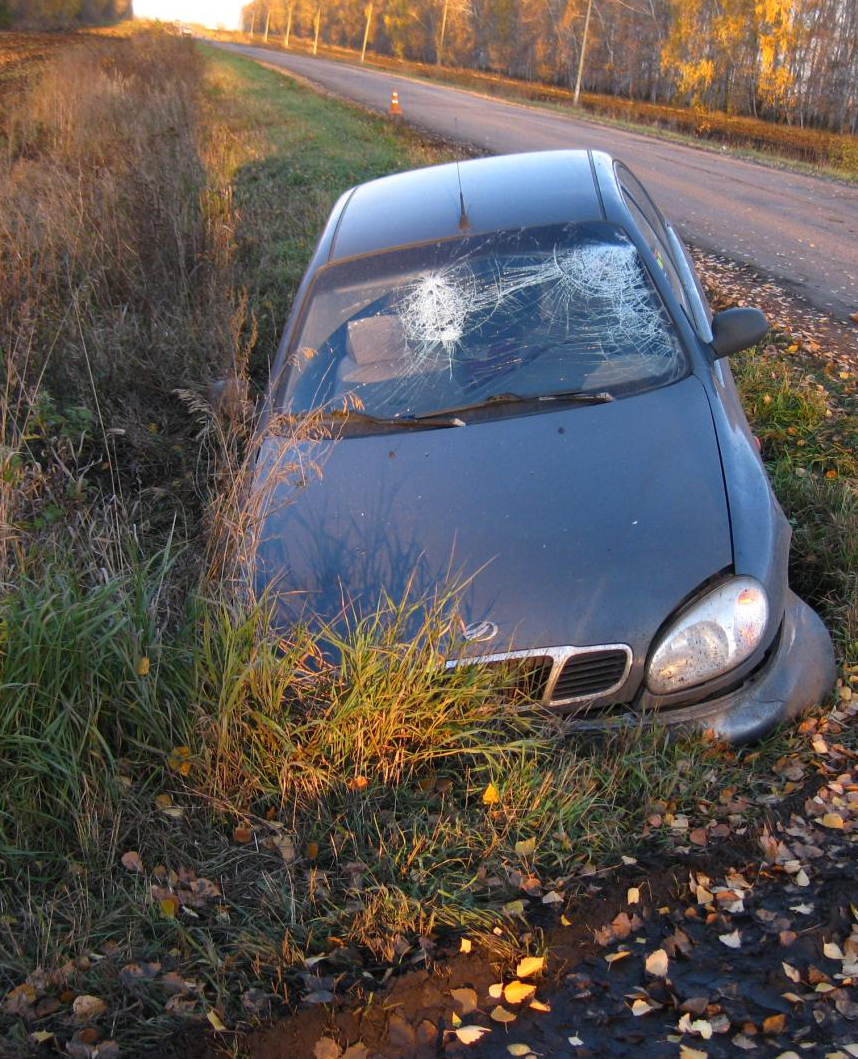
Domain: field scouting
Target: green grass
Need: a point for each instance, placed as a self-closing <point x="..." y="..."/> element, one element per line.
<point x="145" y="708"/>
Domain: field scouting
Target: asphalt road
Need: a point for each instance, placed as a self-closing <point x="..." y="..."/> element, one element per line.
<point x="801" y="229"/>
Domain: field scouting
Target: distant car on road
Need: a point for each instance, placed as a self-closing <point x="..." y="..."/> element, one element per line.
<point x="527" y="385"/>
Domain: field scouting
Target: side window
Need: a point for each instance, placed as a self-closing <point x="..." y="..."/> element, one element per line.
<point x="652" y="226"/>
<point x="659" y="249"/>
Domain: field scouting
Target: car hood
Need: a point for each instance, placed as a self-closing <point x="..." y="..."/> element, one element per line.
<point x="586" y="525"/>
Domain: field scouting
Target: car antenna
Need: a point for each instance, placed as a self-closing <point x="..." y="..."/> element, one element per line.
<point x="464" y="222"/>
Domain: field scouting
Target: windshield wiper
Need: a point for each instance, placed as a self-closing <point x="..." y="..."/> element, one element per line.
<point x="560" y="396"/>
<point x="438" y="420"/>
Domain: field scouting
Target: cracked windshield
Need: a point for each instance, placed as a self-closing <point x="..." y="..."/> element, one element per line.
<point x="535" y="311"/>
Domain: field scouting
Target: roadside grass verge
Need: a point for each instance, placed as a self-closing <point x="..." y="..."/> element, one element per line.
<point x="188" y="807"/>
<point x="834" y="154"/>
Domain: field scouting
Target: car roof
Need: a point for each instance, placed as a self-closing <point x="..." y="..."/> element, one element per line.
<point x="500" y="193"/>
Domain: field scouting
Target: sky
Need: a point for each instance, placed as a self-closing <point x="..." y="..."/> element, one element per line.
<point x="206" y="12"/>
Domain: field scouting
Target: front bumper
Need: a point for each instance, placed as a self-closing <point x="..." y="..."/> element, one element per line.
<point x="798" y="674"/>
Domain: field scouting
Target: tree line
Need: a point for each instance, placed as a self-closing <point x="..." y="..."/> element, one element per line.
<point x="794" y="61"/>
<point x="58" y="14"/>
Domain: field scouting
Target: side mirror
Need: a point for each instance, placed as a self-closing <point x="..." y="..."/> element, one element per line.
<point x="736" y="329"/>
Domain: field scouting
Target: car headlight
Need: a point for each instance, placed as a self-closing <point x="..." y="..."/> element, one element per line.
<point x="715" y="634"/>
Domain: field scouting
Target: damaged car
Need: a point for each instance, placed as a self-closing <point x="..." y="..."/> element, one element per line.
<point x="525" y="388"/>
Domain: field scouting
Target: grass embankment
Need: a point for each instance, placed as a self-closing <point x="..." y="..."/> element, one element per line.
<point x="834" y="153"/>
<point x="184" y="814"/>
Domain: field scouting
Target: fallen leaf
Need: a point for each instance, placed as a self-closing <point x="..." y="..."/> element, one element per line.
<point x="791" y="972"/>
<point x="529" y="965"/>
<point x="143" y="666"/>
<point x="86" y="1007"/>
<point x="633" y="895"/>
<point x="641" y="1007"/>
<point x="514" y="908"/>
<point x="169" y="907"/>
<point x="832" y="820"/>
<point x="515" y="992"/>
<point x="774" y="1024"/>
<point x="524" y="848"/>
<point x="491" y="795"/>
<point x="471" y="1034"/>
<point x="612" y="957"/>
<point x="537" y="1005"/>
<point x="326" y="1048"/>
<point x="216" y="1023"/>
<point x="575" y="1041"/>
<point x="703" y="1027"/>
<point x="500" y="1014"/>
<point x="519" y="1049"/>
<point x="19" y="999"/>
<point x="657" y="963"/>
<point x="685" y="1052"/>
<point x="178" y="760"/>
<point x="552" y="898"/>
<point x="466" y="999"/>
<point x="241" y="834"/>
<point x="732" y="940"/>
<point x="465" y="945"/>
<point x="832" y="951"/>
<point x="131" y="860"/>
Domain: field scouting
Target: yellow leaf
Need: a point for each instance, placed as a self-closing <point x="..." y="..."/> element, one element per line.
<point x="500" y="1014"/>
<point x="566" y="921"/>
<point x="465" y="945"/>
<point x="685" y="1052"/>
<point x="641" y="1007"/>
<point x="514" y="908"/>
<point x="169" y="907"/>
<point x="526" y="847"/>
<point x="496" y="990"/>
<point x="832" y="951"/>
<point x="215" y="1021"/>
<point x="471" y="1034"/>
<point x="163" y="801"/>
<point x="178" y="760"/>
<point x="143" y="666"/>
<point x="633" y="896"/>
<point x="656" y="963"/>
<point x="491" y="795"/>
<point x="41" y="1036"/>
<point x="529" y="965"/>
<point x="519" y="1049"/>
<point x="515" y="992"/>
<point x="537" y="1005"/>
<point x="832" y="820"/>
<point x="614" y="956"/>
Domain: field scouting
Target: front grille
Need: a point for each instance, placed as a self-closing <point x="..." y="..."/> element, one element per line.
<point x="589" y="674"/>
<point x="525" y="676"/>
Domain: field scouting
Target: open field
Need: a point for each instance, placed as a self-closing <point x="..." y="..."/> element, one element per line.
<point x="835" y="153"/>
<point x="185" y="815"/>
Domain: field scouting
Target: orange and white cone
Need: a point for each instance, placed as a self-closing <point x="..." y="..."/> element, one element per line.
<point x="394" y="104"/>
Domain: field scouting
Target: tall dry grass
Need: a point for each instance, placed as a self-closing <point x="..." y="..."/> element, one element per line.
<point x="116" y="291"/>
<point x="114" y="276"/>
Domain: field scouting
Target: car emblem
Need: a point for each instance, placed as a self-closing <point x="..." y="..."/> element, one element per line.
<point x="479" y="631"/>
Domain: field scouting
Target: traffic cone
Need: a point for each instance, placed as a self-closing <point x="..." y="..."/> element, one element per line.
<point x="394" y="110"/>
